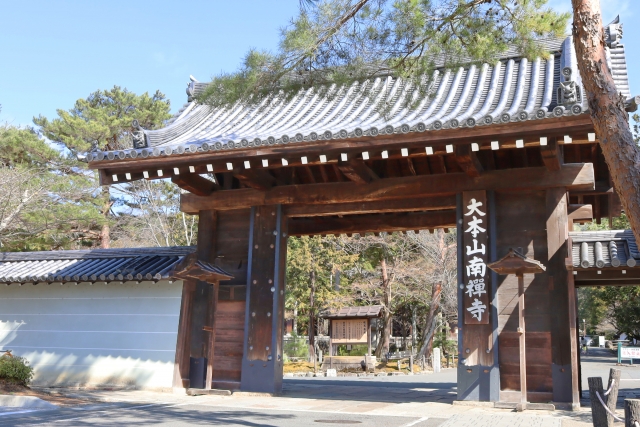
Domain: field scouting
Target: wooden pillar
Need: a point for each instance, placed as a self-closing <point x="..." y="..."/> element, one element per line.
<point x="368" y="337"/>
<point x="201" y="327"/>
<point x="330" y="337"/>
<point x="262" y="361"/>
<point x="181" y="367"/>
<point x="562" y="300"/>
<point x="522" y="344"/>
<point x="211" y="329"/>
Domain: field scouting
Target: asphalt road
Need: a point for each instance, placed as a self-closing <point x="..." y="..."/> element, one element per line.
<point x="118" y="414"/>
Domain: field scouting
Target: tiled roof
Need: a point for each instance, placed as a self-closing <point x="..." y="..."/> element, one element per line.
<point x="602" y="249"/>
<point x="511" y="90"/>
<point x="98" y="265"/>
<point x="354" y="312"/>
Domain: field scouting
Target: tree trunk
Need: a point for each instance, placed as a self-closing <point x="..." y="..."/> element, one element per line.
<point x="312" y="315"/>
<point x="631" y="412"/>
<point x="383" y="345"/>
<point x="295" y="318"/>
<point x="414" y="327"/>
<point x="105" y="232"/>
<point x="430" y="324"/>
<point x="606" y="106"/>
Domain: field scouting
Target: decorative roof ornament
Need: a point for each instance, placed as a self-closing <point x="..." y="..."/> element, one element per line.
<point x="569" y="96"/>
<point x="613" y="33"/>
<point x="139" y="135"/>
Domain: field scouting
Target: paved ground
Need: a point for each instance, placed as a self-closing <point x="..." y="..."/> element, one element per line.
<point x="402" y="401"/>
<point x="597" y="363"/>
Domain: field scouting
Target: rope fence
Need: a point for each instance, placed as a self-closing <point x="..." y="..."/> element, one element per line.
<point x="603" y="403"/>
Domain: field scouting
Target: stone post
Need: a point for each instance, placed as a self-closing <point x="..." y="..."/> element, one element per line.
<point x="436" y="359"/>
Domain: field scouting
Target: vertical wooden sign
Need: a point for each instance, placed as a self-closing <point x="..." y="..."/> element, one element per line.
<point x="475" y="252"/>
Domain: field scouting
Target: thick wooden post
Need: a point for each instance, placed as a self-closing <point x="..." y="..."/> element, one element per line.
<point x="201" y="328"/>
<point x="522" y="345"/>
<point x="601" y="417"/>
<point x="181" y="367"/>
<point x="262" y="361"/>
<point x="631" y="412"/>
<point x="564" y="349"/>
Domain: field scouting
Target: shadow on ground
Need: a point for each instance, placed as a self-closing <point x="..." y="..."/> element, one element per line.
<point x="372" y="389"/>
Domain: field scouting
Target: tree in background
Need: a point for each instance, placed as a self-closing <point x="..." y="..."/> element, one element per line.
<point x="312" y="262"/>
<point x="42" y="205"/>
<point x="439" y="251"/>
<point x="104" y="121"/>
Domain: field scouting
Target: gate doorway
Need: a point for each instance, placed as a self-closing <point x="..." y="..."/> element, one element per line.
<point x="493" y="153"/>
<point x="602" y="258"/>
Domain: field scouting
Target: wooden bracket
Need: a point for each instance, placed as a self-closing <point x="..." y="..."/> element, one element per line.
<point x="552" y="155"/>
<point x="258" y="179"/>
<point x="468" y="160"/>
<point x="195" y="184"/>
<point x="580" y="213"/>
<point x="357" y="171"/>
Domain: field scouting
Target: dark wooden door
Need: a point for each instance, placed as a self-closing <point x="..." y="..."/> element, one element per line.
<point x="227" y="355"/>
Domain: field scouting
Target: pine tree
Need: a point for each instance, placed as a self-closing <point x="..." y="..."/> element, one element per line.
<point x="104" y="121"/>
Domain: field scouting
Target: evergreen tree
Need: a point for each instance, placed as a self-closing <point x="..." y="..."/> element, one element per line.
<point x="104" y="121"/>
<point x="41" y="202"/>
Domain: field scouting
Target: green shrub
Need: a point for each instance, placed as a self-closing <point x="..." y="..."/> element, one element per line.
<point x="356" y="350"/>
<point x="296" y="347"/>
<point x="15" y="370"/>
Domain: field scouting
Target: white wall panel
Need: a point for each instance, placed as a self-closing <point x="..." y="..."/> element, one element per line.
<point x="115" y="334"/>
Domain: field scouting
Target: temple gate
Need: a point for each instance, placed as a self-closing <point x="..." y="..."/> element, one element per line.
<point x="504" y="152"/>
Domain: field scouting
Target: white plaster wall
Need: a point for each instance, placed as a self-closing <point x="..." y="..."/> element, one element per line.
<point x="91" y="335"/>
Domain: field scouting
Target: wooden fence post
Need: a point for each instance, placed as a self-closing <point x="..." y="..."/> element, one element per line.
<point x="600" y="416"/>
<point x="631" y="412"/>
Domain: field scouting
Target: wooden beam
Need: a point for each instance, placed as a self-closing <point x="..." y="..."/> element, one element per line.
<point x="600" y="188"/>
<point x="612" y="282"/>
<point x="607" y="273"/>
<point x="576" y="176"/>
<point x="552" y="155"/>
<point x="580" y="213"/>
<point x="372" y="223"/>
<point x="468" y="160"/>
<point x="258" y="179"/>
<point x="195" y="184"/>
<point x="386" y="206"/>
<point x="357" y="171"/>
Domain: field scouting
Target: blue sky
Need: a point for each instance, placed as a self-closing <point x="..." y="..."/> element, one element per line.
<point x="54" y="52"/>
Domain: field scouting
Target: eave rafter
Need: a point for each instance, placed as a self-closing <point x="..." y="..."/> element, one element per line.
<point x="575" y="130"/>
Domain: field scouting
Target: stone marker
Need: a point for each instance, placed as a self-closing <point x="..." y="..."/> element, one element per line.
<point x="436" y="359"/>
